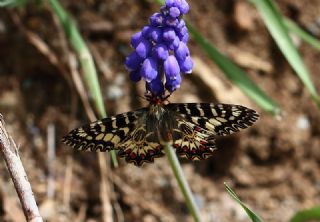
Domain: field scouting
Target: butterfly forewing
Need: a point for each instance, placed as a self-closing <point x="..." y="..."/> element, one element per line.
<point x="127" y="133"/>
<point x="220" y="119"/>
<point x="105" y="134"/>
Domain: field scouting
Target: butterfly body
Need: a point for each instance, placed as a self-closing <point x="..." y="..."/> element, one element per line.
<point x="139" y="136"/>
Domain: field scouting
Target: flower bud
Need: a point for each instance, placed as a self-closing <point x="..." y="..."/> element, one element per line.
<point x="173" y="84"/>
<point x="149" y="69"/>
<point x="135" y="75"/>
<point x="183" y="7"/>
<point x="182" y="51"/>
<point x="186" y="65"/>
<point x="143" y="48"/>
<point x="156" y="34"/>
<point x="174" y="12"/>
<point x="133" y="61"/>
<point x="156" y="19"/>
<point x="156" y="86"/>
<point x="169" y="34"/>
<point x="161" y="51"/>
<point x="171" y="67"/>
<point x="135" y="39"/>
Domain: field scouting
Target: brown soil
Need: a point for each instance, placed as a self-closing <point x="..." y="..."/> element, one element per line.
<point x="274" y="166"/>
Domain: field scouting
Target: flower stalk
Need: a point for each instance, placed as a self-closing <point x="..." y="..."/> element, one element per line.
<point x="182" y="182"/>
<point x="159" y="57"/>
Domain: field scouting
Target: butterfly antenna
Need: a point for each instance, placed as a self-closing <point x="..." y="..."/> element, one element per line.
<point x="141" y="97"/>
<point x="166" y="98"/>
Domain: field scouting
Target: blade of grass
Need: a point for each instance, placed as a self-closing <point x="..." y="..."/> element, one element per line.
<point x="12" y="3"/>
<point x="254" y="217"/>
<point x="274" y="22"/>
<point x="235" y="74"/>
<point x="7" y="3"/>
<point x="85" y="59"/>
<point x="305" y="36"/>
<point x="307" y="215"/>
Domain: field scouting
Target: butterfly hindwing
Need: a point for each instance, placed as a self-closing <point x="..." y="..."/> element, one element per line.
<point x="194" y="142"/>
<point x="221" y="119"/>
<point x="140" y="146"/>
<point x="103" y="135"/>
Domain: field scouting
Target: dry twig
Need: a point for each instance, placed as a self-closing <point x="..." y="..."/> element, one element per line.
<point x="19" y="177"/>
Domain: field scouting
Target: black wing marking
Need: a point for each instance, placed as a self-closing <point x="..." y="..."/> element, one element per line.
<point x="221" y="119"/>
<point x="105" y="134"/>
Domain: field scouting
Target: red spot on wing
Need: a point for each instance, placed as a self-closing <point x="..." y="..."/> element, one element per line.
<point x="185" y="148"/>
<point x="133" y="155"/>
<point x="197" y="128"/>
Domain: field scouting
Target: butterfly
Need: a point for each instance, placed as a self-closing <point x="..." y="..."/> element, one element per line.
<point x="139" y="136"/>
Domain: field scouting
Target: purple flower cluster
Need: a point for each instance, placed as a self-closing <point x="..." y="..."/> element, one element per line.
<point x="161" y="50"/>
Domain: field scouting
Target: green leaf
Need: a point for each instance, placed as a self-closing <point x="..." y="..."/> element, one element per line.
<point x="274" y="22"/>
<point x="250" y="213"/>
<point x="235" y="73"/>
<point x="307" y="215"/>
<point x="305" y="36"/>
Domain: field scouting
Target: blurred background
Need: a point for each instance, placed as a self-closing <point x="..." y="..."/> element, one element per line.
<point x="273" y="166"/>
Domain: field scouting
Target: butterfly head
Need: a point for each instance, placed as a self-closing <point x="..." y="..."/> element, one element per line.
<point x="157" y="100"/>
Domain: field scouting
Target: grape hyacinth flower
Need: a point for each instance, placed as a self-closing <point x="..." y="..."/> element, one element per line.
<point x="160" y="51"/>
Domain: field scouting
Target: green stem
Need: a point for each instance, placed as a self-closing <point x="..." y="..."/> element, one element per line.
<point x="85" y="59"/>
<point x="182" y="182"/>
